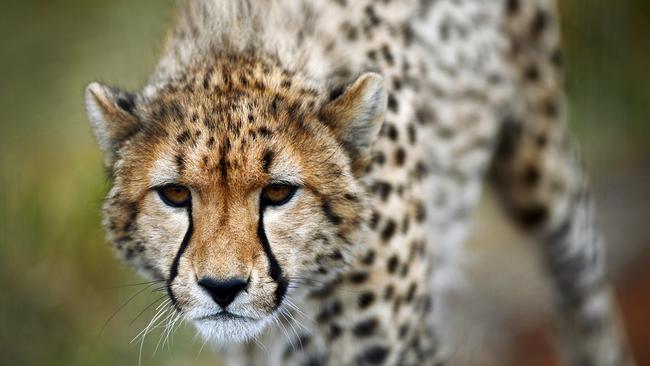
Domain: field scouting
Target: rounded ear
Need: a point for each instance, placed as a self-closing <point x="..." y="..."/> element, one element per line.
<point x="112" y="116"/>
<point x="356" y="116"/>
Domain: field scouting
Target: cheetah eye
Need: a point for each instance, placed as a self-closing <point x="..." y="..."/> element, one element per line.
<point x="277" y="194"/>
<point x="175" y="195"/>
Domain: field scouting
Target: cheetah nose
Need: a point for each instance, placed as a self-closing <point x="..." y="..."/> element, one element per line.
<point x="223" y="292"/>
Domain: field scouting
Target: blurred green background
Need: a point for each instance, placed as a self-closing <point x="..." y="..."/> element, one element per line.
<point x="57" y="275"/>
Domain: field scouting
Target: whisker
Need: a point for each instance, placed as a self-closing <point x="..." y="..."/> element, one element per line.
<point x="123" y="306"/>
<point x="130" y="285"/>
<point x="146" y="308"/>
<point x="162" y="310"/>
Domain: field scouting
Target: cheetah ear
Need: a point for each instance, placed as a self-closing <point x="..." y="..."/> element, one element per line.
<point x="112" y="117"/>
<point x="356" y="117"/>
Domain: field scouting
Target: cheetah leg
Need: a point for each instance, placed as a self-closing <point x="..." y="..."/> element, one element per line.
<point x="541" y="183"/>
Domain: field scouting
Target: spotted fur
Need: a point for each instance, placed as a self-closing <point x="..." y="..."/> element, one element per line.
<point x="388" y="169"/>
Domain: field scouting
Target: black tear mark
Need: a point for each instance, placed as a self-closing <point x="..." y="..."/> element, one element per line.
<point x="275" y="271"/>
<point x="173" y="270"/>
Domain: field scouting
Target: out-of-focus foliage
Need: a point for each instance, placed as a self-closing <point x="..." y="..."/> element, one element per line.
<point x="608" y="58"/>
<point x="55" y="270"/>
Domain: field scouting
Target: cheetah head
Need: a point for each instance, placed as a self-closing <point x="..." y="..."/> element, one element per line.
<point x="237" y="185"/>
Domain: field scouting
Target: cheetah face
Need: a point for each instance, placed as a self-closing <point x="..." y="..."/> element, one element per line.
<point x="239" y="195"/>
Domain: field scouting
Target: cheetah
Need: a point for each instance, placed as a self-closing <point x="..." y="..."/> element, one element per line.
<point x="299" y="174"/>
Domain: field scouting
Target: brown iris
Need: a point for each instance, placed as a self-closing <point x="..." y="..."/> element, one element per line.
<point x="175" y="195"/>
<point x="277" y="194"/>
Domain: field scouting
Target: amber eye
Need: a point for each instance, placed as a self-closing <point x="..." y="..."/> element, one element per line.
<point x="175" y="195"/>
<point x="277" y="194"/>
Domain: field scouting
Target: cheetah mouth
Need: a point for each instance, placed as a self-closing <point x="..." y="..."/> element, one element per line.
<point x="224" y="315"/>
<point x="225" y="327"/>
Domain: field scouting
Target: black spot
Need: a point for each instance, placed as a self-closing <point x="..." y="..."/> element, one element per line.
<point x="397" y="304"/>
<point x="315" y="360"/>
<point x="366" y="299"/>
<point x="383" y="189"/>
<point x="330" y="311"/>
<point x="389" y="230"/>
<point x="206" y="80"/>
<point x="446" y="132"/>
<point x="358" y="277"/>
<point x="550" y="108"/>
<point x="264" y="132"/>
<point x="183" y="137"/>
<point x="392" y="264"/>
<point x="209" y="124"/>
<point x="408" y="34"/>
<point x="512" y="6"/>
<point x="406" y="221"/>
<point x="369" y="258"/>
<point x="533" y="216"/>
<point x="374" y="355"/>
<point x="132" y="208"/>
<point x="372" y="16"/>
<point x="410" y="293"/>
<point x="388" y="292"/>
<point x="392" y="103"/>
<point x="304" y="340"/>
<point x="336" y="254"/>
<point x="532" y="73"/>
<point x="421" y="170"/>
<point x="509" y="135"/>
<point x="380" y="158"/>
<point x="334" y="332"/>
<point x="210" y="143"/>
<point x="405" y="270"/>
<point x="397" y="83"/>
<point x="400" y="156"/>
<point x="539" y="24"/>
<point x="556" y="58"/>
<point x="267" y="160"/>
<point x="176" y="110"/>
<point x="391" y="132"/>
<point x="426" y="115"/>
<point x="385" y="50"/>
<point x="286" y="83"/>
<point x="403" y="329"/>
<point x="365" y="328"/>
<point x="180" y="162"/>
<point x="351" y="197"/>
<point x="411" y="133"/>
<point x="329" y="212"/>
<point x="531" y="176"/>
<point x="420" y="212"/>
<point x="374" y="220"/>
<point x="243" y="80"/>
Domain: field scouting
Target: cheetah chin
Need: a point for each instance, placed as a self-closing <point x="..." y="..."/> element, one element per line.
<point x="224" y="329"/>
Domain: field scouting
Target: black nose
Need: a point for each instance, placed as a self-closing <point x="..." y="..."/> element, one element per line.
<point x="223" y="292"/>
